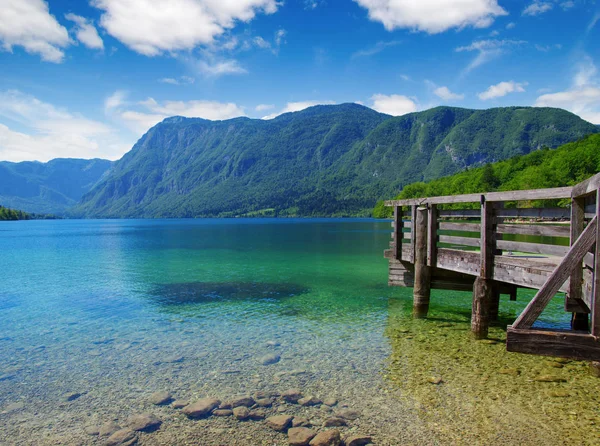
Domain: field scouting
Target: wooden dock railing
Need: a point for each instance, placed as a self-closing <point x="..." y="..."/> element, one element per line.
<point x="494" y="243"/>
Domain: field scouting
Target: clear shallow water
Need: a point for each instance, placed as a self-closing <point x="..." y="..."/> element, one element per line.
<point x="116" y="310"/>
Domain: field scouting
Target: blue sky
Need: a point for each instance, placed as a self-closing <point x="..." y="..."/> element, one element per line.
<point x="87" y="78"/>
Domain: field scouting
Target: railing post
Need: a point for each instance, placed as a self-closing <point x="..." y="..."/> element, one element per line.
<point x="579" y="320"/>
<point x="422" y="288"/>
<point x="398" y="225"/>
<point x="413" y="238"/>
<point x="596" y="287"/>
<point x="432" y="228"/>
<point x="483" y="292"/>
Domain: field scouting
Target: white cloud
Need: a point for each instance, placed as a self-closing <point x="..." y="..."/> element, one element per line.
<point x="502" y="89"/>
<point x="511" y="25"/>
<point x="567" y="5"/>
<point x="595" y="20"/>
<point x="583" y="98"/>
<point x="395" y="105"/>
<point x="488" y="50"/>
<point x="375" y="49"/>
<point x="52" y="132"/>
<point x="312" y="4"/>
<point x="150" y="28"/>
<point x="264" y="107"/>
<point x="297" y="106"/>
<point x="86" y="32"/>
<point x="182" y="80"/>
<point x="432" y="16"/>
<point x="538" y="7"/>
<point x="115" y="101"/>
<point x="445" y="94"/>
<point x="150" y="112"/>
<point x="29" y="24"/>
<point x="280" y="37"/>
<point x="405" y="77"/>
<point x="209" y="68"/>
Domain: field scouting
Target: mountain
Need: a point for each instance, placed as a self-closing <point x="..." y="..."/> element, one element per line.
<point x="567" y="165"/>
<point x="322" y="161"/>
<point x="49" y="188"/>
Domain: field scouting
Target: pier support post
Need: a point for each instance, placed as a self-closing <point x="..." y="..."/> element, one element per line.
<point x="422" y="288"/>
<point x="482" y="302"/>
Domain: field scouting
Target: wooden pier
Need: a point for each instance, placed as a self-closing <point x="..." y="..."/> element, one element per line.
<point x="474" y="242"/>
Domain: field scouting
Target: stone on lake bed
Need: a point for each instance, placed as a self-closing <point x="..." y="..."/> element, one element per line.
<point x="264" y="402"/>
<point x="108" y="429"/>
<point x="435" y="380"/>
<point x="327" y="438"/>
<point x="160" y="398"/>
<point x="309" y="401"/>
<point x="123" y="437"/>
<point x="348" y="414"/>
<point x="241" y="413"/>
<point x="92" y="430"/>
<point x="258" y="414"/>
<point x="246" y="401"/>
<point x="300" y="436"/>
<point x="144" y="422"/>
<point x="201" y="408"/>
<point x="549" y="379"/>
<point x="334" y="422"/>
<point x="272" y="344"/>
<point x="291" y="396"/>
<point x="71" y="396"/>
<point x="300" y="422"/>
<point x="559" y="394"/>
<point x="330" y="402"/>
<point x="357" y="440"/>
<point x="222" y="412"/>
<point x="270" y="359"/>
<point x="279" y="423"/>
<point x="179" y="404"/>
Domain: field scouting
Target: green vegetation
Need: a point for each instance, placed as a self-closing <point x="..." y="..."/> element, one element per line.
<point x="11" y="214"/>
<point x="566" y="166"/>
<point x="322" y="161"/>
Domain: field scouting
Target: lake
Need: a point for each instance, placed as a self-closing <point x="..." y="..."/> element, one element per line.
<point x="96" y="316"/>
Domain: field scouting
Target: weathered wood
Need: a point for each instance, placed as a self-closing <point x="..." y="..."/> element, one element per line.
<point x="482" y="301"/>
<point x="576" y="228"/>
<point x="553" y="343"/>
<point x="422" y="288"/>
<point x="535" y="213"/>
<point x="413" y="218"/>
<point x="571" y="261"/>
<point x="432" y="228"/>
<point x="535" y="248"/>
<point x="462" y="213"/>
<point x="455" y="240"/>
<point x="463" y="227"/>
<point x="529" y="229"/>
<point x="595" y="304"/>
<point x="397" y="234"/>
<point x="588" y="186"/>
<point x="488" y="240"/>
<point x="517" y="195"/>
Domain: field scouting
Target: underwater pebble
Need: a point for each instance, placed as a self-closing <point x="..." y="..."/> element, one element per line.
<point x="300" y="436"/>
<point x="279" y="423"/>
<point x="270" y="359"/>
<point x="144" y="422"/>
<point x="327" y="438"/>
<point x="201" y="408"/>
<point x="357" y="440"/>
<point x="160" y="398"/>
<point x="123" y="437"/>
<point x="291" y="396"/>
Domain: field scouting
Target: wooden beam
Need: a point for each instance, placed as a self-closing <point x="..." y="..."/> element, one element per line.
<point x="595" y="307"/>
<point x="567" y="265"/>
<point x="413" y="219"/>
<point x="586" y="187"/>
<point x="529" y="229"/>
<point x="488" y="239"/>
<point x="432" y="228"/>
<point x="534" y="248"/>
<point x="422" y="289"/>
<point x="482" y="302"/>
<point x="576" y="228"/>
<point x="455" y="240"/>
<point x="462" y="227"/>
<point x="397" y="232"/>
<point x="578" y="346"/>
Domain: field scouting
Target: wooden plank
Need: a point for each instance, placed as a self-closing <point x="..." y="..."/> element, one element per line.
<point x="460" y="213"/>
<point x="517" y="195"/>
<point x="578" y="346"/>
<point x="466" y="262"/>
<point x="575" y="230"/>
<point x="397" y="234"/>
<point x="413" y="213"/>
<point x="422" y="288"/>
<point x="432" y="228"/>
<point x="537" y="213"/>
<point x="569" y="262"/>
<point x="455" y="240"/>
<point x="487" y="241"/>
<point x="536" y="248"/>
<point x="588" y="186"/>
<point x="464" y="227"/>
<point x="529" y="229"/>
<point x="595" y="304"/>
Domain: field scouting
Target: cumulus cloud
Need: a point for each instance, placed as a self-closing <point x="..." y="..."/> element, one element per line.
<point x="115" y="100"/>
<point x="86" y="32"/>
<point x="445" y="94"/>
<point x="488" y="50"/>
<point x="537" y="8"/>
<point x="432" y="16"/>
<point x="395" y="105"/>
<point x="149" y="28"/>
<point x="502" y="89"/>
<point x="297" y="106"/>
<point x="583" y="98"/>
<point x="211" y="68"/>
<point x="264" y="107"/>
<point x="52" y="132"/>
<point x="30" y="25"/>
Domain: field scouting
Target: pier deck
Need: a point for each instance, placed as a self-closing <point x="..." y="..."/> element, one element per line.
<point x="495" y="243"/>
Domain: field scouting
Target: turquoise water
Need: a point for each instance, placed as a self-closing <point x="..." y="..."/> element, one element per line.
<point x="115" y="310"/>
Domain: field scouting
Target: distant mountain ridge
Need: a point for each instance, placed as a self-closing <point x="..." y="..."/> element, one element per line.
<point x="322" y="161"/>
<point x="49" y="188"/>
